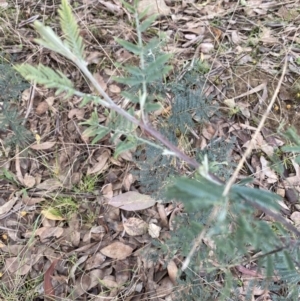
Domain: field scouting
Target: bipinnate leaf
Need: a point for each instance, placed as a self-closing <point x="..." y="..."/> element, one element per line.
<point x="150" y="107"/>
<point x="46" y="76"/>
<point x="72" y="47"/>
<point x="145" y="25"/>
<point x="130" y="46"/>
<point x="262" y="197"/>
<point x="123" y="147"/>
<point x="129" y="7"/>
<point x="132" y="201"/>
<point x="70" y="29"/>
<point x="50" y="39"/>
<point x="196" y="194"/>
<point x="158" y="63"/>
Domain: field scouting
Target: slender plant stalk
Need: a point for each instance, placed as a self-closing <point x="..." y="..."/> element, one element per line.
<point x="232" y="180"/>
<point x="145" y="126"/>
<point x="248" y="151"/>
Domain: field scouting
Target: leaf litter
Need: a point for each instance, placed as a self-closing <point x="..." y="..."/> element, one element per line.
<point x="98" y="250"/>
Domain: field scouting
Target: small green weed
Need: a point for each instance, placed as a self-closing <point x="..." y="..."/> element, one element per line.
<point x="88" y="183"/>
<point x="61" y="208"/>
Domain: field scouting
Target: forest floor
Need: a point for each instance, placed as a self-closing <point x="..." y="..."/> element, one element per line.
<point x="55" y="221"/>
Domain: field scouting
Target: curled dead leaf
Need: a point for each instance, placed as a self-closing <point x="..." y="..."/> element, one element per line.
<point x="135" y="226"/>
<point x="114" y="89"/>
<point x="154" y="230"/>
<point x="29" y="181"/>
<point x="172" y="271"/>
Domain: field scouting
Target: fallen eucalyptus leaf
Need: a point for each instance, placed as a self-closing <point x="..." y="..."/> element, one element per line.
<point x="132" y="201"/>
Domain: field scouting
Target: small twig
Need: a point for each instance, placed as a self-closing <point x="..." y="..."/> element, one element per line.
<point x="199" y="238"/>
<point x="18" y="167"/>
<point x="30" y="102"/>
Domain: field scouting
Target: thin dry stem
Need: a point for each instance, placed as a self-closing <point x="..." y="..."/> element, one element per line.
<point x="248" y="151"/>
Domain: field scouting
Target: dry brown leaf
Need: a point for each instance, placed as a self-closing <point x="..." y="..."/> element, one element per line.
<point x="122" y="271"/>
<point x="266" y="170"/>
<point x="117" y="250"/>
<point x="13" y="250"/>
<point x="48" y="287"/>
<point x="81" y="260"/>
<point x="128" y="180"/>
<point x="81" y="286"/>
<point x="8" y="205"/>
<point x="95" y="275"/>
<point x="79" y="113"/>
<point x="172" y="271"/>
<point x="93" y="57"/>
<point x="45" y="232"/>
<point x="49" y="185"/>
<point x="208" y="131"/>
<point x="114" y="89"/>
<point x="50" y="101"/>
<point x="75" y="238"/>
<point x="42" y="108"/>
<point x="29" y="181"/>
<point x="107" y="191"/>
<point x="260" y="143"/>
<point x="154" y="230"/>
<point x="154" y="7"/>
<point x="112" y="8"/>
<point x="206" y="47"/>
<point x="109" y="282"/>
<point x="132" y="201"/>
<point x="127" y="155"/>
<point x="43" y="146"/>
<point x="95" y="261"/>
<point x="100" y="165"/>
<point x="15" y="265"/>
<point x="135" y="226"/>
<point x="165" y="287"/>
<point x="295" y="217"/>
<point x="162" y="214"/>
<point x="236" y="39"/>
<point x="100" y="81"/>
<point x="266" y="36"/>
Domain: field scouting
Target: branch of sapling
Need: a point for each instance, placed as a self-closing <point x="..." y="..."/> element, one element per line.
<point x="146" y="127"/>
